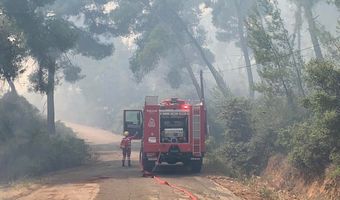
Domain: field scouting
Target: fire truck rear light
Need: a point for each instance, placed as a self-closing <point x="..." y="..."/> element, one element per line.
<point x="152" y="139"/>
<point x="185" y="106"/>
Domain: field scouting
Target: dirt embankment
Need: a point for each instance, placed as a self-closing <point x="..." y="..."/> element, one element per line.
<point x="280" y="181"/>
<point x="282" y="177"/>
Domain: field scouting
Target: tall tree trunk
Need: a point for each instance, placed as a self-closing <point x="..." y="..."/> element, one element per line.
<point x="50" y="99"/>
<point x="297" y="36"/>
<point x="294" y="60"/>
<point x="298" y="32"/>
<point x="312" y="28"/>
<point x="186" y="63"/>
<point x="277" y="62"/>
<point x="298" y="28"/>
<point x="194" y="80"/>
<point x="299" y="61"/>
<point x="244" y="48"/>
<point x="189" y="69"/>
<point x="11" y="85"/>
<point x="221" y="84"/>
<point x="296" y="67"/>
<point x="217" y="76"/>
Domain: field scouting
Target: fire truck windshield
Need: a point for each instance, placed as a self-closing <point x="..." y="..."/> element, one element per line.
<point x="174" y="128"/>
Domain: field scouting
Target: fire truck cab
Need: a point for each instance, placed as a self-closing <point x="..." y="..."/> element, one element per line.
<point x="171" y="131"/>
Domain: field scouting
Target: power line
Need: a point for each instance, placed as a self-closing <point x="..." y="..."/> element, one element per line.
<point x="285" y="56"/>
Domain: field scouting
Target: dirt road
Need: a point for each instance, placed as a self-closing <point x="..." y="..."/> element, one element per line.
<point x="107" y="180"/>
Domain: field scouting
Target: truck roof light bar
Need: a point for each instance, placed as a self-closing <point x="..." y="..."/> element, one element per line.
<point x="174" y="100"/>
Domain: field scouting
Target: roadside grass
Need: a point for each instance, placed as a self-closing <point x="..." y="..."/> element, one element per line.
<point x="267" y="194"/>
<point x="215" y="165"/>
<point x="335" y="173"/>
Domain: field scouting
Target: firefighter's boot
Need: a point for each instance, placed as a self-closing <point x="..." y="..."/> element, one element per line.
<point x="123" y="163"/>
<point x="129" y="163"/>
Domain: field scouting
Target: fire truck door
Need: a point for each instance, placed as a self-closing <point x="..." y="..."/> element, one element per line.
<point x="133" y="122"/>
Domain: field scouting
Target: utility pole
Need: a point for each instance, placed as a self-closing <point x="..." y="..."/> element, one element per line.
<point x="202" y="89"/>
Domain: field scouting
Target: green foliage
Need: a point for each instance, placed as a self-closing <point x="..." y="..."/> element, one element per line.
<point x="316" y="142"/>
<point x="268" y="194"/>
<point x="324" y="76"/>
<point x="164" y="28"/>
<point x="329" y="42"/>
<point x="240" y="150"/>
<point x="215" y="161"/>
<point x="16" y="110"/>
<point x="253" y="132"/>
<point x="149" y="51"/>
<point x="26" y="149"/>
<point x="308" y="132"/>
<point x="269" y="39"/>
<point x="335" y="157"/>
<point x="226" y="16"/>
<point x="12" y="50"/>
<point x="126" y="16"/>
<point x="337" y="3"/>
<point x="236" y="116"/>
<point x="90" y="47"/>
<point x="336" y="172"/>
<point x="310" y="148"/>
<point x="47" y="37"/>
<point x="62" y="34"/>
<point x="174" y="78"/>
<point x="72" y="73"/>
<point x="95" y="25"/>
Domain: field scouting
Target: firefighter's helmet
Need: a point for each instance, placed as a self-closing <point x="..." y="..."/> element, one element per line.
<point x="126" y="133"/>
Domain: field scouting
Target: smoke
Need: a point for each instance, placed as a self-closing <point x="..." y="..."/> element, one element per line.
<point x="109" y="86"/>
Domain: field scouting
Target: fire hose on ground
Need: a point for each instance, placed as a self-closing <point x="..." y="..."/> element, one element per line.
<point x="160" y="181"/>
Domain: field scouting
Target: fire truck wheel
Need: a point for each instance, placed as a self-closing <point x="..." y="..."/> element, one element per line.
<point x="196" y="166"/>
<point x="147" y="165"/>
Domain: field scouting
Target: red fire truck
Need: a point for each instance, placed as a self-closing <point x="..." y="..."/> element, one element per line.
<point x="171" y="131"/>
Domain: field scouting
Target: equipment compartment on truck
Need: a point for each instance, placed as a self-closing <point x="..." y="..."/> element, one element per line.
<point x="173" y="128"/>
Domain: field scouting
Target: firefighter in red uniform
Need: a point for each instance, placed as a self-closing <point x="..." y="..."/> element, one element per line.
<point x="125" y="145"/>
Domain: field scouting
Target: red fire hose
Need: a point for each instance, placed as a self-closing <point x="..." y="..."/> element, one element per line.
<point x="162" y="182"/>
